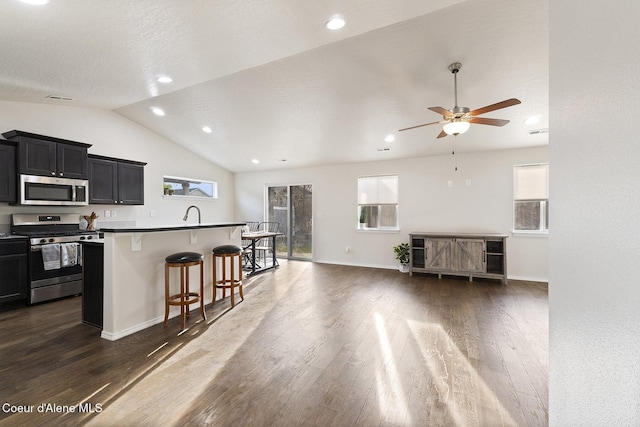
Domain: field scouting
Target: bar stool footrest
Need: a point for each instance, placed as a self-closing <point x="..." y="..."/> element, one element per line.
<point x="190" y="298"/>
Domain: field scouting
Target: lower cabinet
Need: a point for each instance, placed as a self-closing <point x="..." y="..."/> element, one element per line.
<point x="93" y="283"/>
<point x="14" y="280"/>
<point x="471" y="255"/>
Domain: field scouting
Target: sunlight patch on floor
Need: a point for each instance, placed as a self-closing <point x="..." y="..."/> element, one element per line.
<point x="449" y="367"/>
<point x="391" y="398"/>
<point x="165" y="391"/>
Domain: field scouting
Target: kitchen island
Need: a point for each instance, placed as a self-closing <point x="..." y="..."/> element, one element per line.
<point x="134" y="270"/>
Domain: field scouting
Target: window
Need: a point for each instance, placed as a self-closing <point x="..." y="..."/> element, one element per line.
<point x="188" y="187"/>
<point x="378" y="202"/>
<point x="531" y="198"/>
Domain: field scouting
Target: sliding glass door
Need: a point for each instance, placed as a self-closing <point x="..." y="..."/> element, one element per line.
<point x="291" y="206"/>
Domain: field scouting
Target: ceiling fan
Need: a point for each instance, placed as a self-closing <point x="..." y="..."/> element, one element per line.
<point x="458" y="119"/>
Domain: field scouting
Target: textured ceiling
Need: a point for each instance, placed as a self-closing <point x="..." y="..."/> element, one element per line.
<point x="274" y="84"/>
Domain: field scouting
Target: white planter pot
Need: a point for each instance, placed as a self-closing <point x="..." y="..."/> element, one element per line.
<point x="403" y="268"/>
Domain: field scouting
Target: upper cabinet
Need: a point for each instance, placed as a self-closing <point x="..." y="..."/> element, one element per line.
<point x="115" y="181"/>
<point x="7" y="171"/>
<point x="48" y="156"/>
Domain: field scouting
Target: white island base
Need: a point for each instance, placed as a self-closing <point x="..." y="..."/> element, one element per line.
<point x="134" y="272"/>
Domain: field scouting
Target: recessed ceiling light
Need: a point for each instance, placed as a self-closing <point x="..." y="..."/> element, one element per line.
<point x="35" y="2"/>
<point x="532" y="120"/>
<point x="389" y="138"/>
<point x="255" y="161"/>
<point x="157" y="111"/>
<point x="335" y="23"/>
<point x="165" y="79"/>
<point x="207" y="129"/>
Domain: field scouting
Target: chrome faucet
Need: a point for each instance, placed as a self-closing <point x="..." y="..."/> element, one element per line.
<point x="186" y="215"/>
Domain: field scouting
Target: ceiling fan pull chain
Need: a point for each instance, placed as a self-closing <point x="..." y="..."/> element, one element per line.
<point x="455" y="165"/>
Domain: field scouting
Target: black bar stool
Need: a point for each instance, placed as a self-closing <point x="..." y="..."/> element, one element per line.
<point x="223" y="252"/>
<point x="184" y="298"/>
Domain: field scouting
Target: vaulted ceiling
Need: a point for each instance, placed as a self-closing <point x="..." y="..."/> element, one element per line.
<point x="274" y="84"/>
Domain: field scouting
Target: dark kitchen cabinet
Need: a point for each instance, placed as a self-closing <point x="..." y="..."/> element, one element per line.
<point x="115" y="181"/>
<point x="7" y="172"/>
<point x="48" y="156"/>
<point x="13" y="269"/>
<point x="92" y="283"/>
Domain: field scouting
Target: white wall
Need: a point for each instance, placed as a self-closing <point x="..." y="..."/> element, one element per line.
<point x="594" y="290"/>
<point x="426" y="203"/>
<point x="112" y="135"/>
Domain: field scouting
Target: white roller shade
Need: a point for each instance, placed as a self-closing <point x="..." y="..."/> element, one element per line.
<point x="531" y="182"/>
<point x="378" y="190"/>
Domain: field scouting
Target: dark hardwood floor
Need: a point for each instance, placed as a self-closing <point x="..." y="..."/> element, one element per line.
<point x="312" y="344"/>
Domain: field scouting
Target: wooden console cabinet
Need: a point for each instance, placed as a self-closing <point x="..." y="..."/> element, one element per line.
<point x="472" y="255"/>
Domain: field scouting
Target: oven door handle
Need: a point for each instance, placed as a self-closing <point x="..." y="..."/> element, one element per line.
<point x="38" y="248"/>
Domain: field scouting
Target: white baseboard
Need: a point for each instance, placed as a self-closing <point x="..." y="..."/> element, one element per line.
<point x="529" y="279"/>
<point x="113" y="336"/>
<point x="386" y="267"/>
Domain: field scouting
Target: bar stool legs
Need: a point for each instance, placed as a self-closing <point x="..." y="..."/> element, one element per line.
<point x="185" y="297"/>
<point x="234" y="254"/>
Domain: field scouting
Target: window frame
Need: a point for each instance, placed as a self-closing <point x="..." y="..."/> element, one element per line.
<point x="378" y="206"/>
<point x="543" y="203"/>
<point x="170" y="178"/>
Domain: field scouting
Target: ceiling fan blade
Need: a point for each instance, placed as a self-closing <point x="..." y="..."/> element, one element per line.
<point x="442" y="134"/>
<point x="496" y="106"/>
<point x="443" y="111"/>
<point x="419" y="126"/>
<point x="485" y="121"/>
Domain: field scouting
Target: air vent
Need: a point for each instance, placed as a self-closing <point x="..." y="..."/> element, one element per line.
<point x="60" y="98"/>
<point x="538" y="131"/>
<point x="384" y="149"/>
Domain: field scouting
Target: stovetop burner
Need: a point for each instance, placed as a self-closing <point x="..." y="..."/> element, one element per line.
<point x="50" y="228"/>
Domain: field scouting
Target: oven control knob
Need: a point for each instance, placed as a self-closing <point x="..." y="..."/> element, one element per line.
<point x="43" y="240"/>
<point x="52" y="240"/>
<point x="81" y="237"/>
<point x="89" y="237"/>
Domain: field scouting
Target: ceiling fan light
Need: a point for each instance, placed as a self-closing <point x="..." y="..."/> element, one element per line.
<point x="456" y="128"/>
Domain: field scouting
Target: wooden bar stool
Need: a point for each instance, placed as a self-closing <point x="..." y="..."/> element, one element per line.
<point x="184" y="298"/>
<point x="232" y="252"/>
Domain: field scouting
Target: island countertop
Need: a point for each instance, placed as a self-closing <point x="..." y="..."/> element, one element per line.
<point x="179" y="227"/>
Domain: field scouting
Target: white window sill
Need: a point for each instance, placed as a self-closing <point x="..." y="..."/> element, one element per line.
<point x="521" y="233"/>
<point x="378" y="230"/>
<point x="180" y="197"/>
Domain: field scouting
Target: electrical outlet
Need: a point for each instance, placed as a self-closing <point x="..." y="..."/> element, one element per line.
<point x="114" y="214"/>
<point x="107" y="214"/>
<point x="152" y="213"/>
<point x="468" y="183"/>
<point x="450" y="183"/>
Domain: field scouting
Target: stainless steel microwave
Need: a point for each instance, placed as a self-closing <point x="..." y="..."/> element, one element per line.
<point x="51" y="191"/>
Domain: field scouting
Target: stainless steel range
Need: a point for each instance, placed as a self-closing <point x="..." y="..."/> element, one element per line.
<point x="55" y="263"/>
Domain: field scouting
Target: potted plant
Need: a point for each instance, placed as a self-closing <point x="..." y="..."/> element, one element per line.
<point x="363" y="217"/>
<point x="402" y="255"/>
